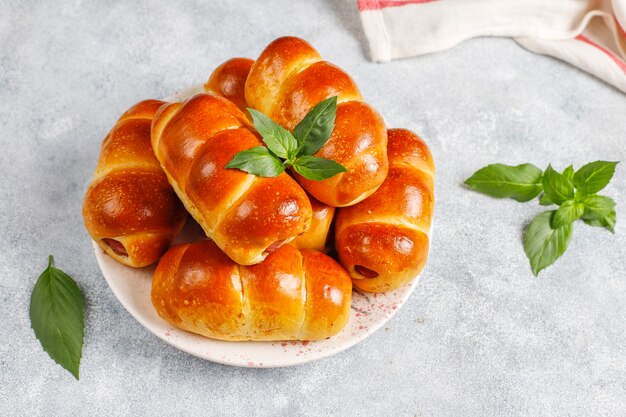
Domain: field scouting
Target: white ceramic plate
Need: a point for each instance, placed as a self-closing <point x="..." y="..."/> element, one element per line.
<point x="132" y="288"/>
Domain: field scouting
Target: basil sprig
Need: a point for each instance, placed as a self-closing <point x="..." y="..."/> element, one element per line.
<point x="286" y="149"/>
<point x="57" y="317"/>
<point x="549" y="233"/>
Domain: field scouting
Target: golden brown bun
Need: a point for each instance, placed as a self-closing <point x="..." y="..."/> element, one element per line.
<point x="130" y="210"/>
<point x="288" y="80"/>
<point x="383" y="241"/>
<point x="247" y="216"/>
<point x="292" y="295"/>
<point x="316" y="238"/>
<point x="229" y="80"/>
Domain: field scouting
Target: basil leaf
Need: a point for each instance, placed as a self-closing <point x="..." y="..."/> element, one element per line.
<point x="57" y="317"/>
<point x="317" y="169"/>
<point x="278" y="139"/>
<point x="569" y="172"/>
<point x="598" y="206"/>
<point x="569" y="211"/>
<point x="543" y="244"/>
<point x="545" y="200"/>
<point x="607" y="221"/>
<point x="521" y="182"/>
<point x="314" y="130"/>
<point x="594" y="176"/>
<point x="258" y="161"/>
<point x="557" y="187"/>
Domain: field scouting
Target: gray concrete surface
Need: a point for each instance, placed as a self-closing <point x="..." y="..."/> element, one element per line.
<point x="479" y="337"/>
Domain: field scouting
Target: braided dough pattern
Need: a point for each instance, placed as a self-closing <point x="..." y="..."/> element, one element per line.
<point x="383" y="241"/>
<point x="287" y="80"/>
<point x="130" y="210"/>
<point x="247" y="216"/>
<point x="292" y="295"/>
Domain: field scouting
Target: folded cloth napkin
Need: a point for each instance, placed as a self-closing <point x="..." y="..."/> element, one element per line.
<point x="586" y="33"/>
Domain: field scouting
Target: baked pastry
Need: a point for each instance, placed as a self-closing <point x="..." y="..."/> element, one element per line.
<point x="293" y="294"/>
<point x="287" y="80"/>
<point x="229" y="80"/>
<point x="247" y="216"/>
<point x="383" y="241"/>
<point x="317" y="237"/>
<point x="129" y="209"/>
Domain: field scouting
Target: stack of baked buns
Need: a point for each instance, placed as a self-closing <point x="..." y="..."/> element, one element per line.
<point x="282" y="253"/>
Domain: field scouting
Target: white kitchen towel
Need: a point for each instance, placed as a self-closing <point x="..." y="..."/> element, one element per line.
<point x="586" y="33"/>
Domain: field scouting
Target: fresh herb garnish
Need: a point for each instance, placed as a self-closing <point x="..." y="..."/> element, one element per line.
<point x="543" y="243"/>
<point x="286" y="149"/>
<point x="57" y="317"/>
<point x="549" y="233"/>
<point x="522" y="182"/>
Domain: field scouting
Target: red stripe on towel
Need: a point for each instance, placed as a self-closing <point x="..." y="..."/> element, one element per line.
<point x="620" y="26"/>
<point x="611" y="55"/>
<point x="382" y="4"/>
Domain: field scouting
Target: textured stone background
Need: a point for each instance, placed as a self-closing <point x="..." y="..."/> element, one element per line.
<point x="480" y="336"/>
